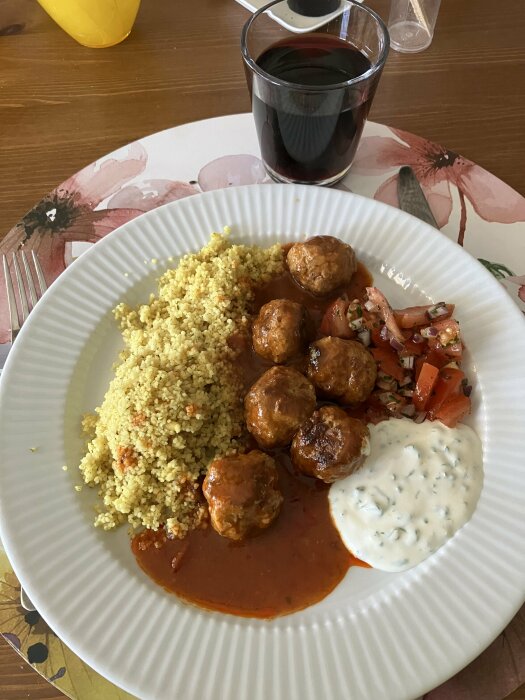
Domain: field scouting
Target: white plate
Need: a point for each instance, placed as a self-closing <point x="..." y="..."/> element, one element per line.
<point x="293" y="21"/>
<point x="377" y="635"/>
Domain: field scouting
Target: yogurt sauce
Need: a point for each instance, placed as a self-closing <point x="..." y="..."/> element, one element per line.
<point x="418" y="486"/>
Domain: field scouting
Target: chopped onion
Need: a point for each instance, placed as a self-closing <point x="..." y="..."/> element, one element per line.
<point x="396" y="344"/>
<point x="420" y="417"/>
<point x="407" y="362"/>
<point x="406" y="380"/>
<point x="386" y="386"/>
<point x="392" y="402"/>
<point x="407" y="392"/>
<point x="388" y="398"/>
<point x="383" y="333"/>
<point x="385" y="381"/>
<point x="409" y="410"/>
<point x="451" y="365"/>
<point x="455" y="347"/>
<point x="429" y="332"/>
<point x="364" y="337"/>
<point x="354" y="310"/>
<point x="356" y="324"/>
<point x="439" y="309"/>
<point x="370" y="306"/>
<point x="417" y="338"/>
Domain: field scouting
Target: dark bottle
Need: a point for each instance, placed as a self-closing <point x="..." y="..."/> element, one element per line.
<point x="313" y="8"/>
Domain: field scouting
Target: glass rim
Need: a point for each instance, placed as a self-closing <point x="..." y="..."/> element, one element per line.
<point x="374" y="68"/>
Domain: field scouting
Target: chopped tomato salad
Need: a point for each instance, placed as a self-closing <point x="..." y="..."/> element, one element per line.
<point x="417" y="350"/>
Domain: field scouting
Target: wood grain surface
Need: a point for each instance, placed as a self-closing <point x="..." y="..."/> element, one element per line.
<point x="63" y="106"/>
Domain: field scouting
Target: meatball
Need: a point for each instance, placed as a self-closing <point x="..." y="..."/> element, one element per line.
<point x="242" y="494"/>
<point x="321" y="264"/>
<point x="281" y="330"/>
<point x="276" y="405"/>
<point x="343" y="370"/>
<point x="330" y="445"/>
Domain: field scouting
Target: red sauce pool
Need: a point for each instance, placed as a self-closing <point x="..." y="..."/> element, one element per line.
<point x="292" y="564"/>
<point x="296" y="562"/>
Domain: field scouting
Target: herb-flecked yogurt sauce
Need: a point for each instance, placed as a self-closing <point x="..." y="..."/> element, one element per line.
<point x="418" y="486"/>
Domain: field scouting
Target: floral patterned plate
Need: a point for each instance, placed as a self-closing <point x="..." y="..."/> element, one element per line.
<point x="472" y="207"/>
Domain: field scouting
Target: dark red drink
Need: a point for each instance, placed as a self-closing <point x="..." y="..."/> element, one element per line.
<point x="307" y="134"/>
<point x="311" y="93"/>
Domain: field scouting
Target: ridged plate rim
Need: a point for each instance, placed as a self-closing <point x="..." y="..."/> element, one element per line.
<point x="411" y="631"/>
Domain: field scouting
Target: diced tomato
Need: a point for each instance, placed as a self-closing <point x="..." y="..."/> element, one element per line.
<point x="448" y="385"/>
<point x="335" y="322"/>
<point x="436" y="358"/>
<point x="448" y="331"/>
<point x="446" y="324"/>
<point x="412" y="348"/>
<point x="432" y="357"/>
<point x="377" y="340"/>
<point x="378" y="299"/>
<point x="418" y="364"/>
<point x="426" y="381"/>
<point x="454" y="351"/>
<point x="414" y="316"/>
<point x="388" y="361"/>
<point x="453" y="410"/>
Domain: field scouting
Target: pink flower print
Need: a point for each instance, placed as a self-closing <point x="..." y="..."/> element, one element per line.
<point x="503" y="274"/>
<point x="520" y="281"/>
<point x="151" y="194"/>
<point x="101" y="179"/>
<point x="234" y="170"/>
<point x="437" y="169"/>
<point x="68" y="213"/>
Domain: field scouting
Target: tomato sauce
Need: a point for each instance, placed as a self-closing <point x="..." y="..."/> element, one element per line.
<point x="297" y="561"/>
<point x="292" y="564"/>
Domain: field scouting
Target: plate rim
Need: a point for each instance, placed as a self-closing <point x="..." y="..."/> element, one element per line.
<point x="98" y="250"/>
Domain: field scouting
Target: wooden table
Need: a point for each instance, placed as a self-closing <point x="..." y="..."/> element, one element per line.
<point x="62" y="106"/>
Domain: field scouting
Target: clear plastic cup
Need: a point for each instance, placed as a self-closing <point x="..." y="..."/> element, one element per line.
<point x="411" y="24"/>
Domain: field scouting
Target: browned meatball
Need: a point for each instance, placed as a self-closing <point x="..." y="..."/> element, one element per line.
<point x="321" y="264"/>
<point x="342" y="369"/>
<point x="242" y="494"/>
<point x="330" y="445"/>
<point x="277" y="404"/>
<point x="281" y="330"/>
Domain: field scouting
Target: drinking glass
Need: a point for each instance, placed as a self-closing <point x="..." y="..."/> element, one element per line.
<point x="411" y="24"/>
<point x="311" y="92"/>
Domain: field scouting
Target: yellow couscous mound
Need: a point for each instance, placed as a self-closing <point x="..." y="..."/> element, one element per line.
<point x="173" y="404"/>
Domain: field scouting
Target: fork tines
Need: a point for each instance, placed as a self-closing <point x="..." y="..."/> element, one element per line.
<point x="29" y="283"/>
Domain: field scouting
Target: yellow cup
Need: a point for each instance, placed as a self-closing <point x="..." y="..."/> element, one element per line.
<point x="94" y="23"/>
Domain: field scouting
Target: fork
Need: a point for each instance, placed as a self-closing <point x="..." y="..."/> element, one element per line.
<point x="28" y="295"/>
<point x="18" y="316"/>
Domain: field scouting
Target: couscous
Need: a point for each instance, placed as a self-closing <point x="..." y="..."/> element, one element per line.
<point x="174" y="405"/>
